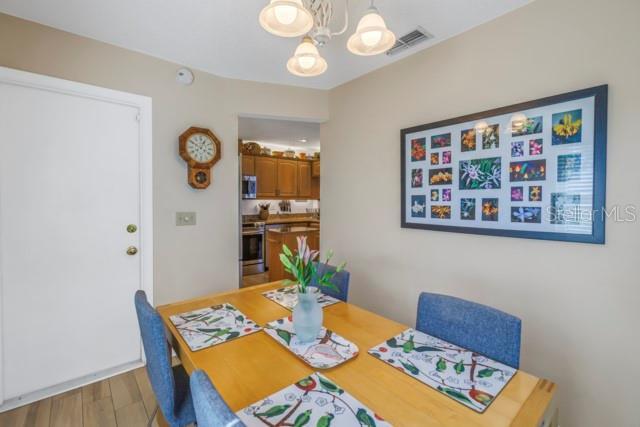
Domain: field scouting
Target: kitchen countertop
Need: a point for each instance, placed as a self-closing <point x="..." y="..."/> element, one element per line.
<point x="280" y="220"/>
<point x="292" y="229"/>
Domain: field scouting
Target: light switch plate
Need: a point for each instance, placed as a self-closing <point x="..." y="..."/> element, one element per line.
<point x="185" y="218"/>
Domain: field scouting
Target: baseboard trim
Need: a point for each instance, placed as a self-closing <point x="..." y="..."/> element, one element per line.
<point x="68" y="385"/>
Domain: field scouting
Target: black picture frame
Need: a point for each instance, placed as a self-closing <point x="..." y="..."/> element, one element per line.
<point x="597" y="236"/>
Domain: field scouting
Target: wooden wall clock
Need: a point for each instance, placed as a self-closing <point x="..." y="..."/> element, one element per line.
<point x="200" y="148"/>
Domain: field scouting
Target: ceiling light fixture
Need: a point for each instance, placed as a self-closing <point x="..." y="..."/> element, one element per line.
<point x="286" y="18"/>
<point x="306" y="61"/>
<point x="291" y="18"/>
<point x="372" y="36"/>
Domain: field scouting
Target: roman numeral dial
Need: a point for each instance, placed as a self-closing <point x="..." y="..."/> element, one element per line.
<point x="201" y="148"/>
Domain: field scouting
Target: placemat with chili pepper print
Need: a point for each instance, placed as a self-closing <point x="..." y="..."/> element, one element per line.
<point x="312" y="401"/>
<point x="288" y="297"/>
<point x="328" y="350"/>
<point x="468" y="377"/>
<point x="212" y="325"/>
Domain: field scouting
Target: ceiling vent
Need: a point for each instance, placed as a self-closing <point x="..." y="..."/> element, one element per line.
<point x="409" y="40"/>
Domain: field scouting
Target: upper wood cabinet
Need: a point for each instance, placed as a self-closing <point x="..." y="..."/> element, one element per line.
<point x="282" y="178"/>
<point x="304" y="180"/>
<point x="315" y="169"/>
<point x="266" y="171"/>
<point x="248" y="165"/>
<point x="287" y="178"/>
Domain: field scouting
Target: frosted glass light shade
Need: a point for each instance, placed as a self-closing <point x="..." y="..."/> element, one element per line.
<point x="306" y="61"/>
<point x="372" y="36"/>
<point x="286" y="18"/>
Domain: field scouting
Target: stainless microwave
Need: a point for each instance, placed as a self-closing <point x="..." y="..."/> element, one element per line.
<point x="249" y="187"/>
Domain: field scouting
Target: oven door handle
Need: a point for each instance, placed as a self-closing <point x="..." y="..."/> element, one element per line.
<point x="253" y="233"/>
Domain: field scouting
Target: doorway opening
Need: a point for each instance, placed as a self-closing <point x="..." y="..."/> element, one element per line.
<point x="279" y="193"/>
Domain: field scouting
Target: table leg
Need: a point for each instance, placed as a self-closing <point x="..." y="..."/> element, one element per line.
<point x="160" y="420"/>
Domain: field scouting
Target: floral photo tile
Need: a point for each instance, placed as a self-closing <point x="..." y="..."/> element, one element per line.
<point x="535" y="147"/>
<point x="517" y="148"/>
<point x="418" y="149"/>
<point x="567" y="127"/>
<point x="416" y="178"/>
<point x="517" y="194"/>
<point x="418" y="206"/>
<point x="468" y="209"/>
<point x="446" y="157"/>
<point x="435" y="159"/>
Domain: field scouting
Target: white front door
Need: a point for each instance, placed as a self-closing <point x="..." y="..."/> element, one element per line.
<point x="74" y="166"/>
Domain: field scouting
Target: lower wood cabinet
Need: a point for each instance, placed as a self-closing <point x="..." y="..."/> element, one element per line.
<point x="275" y="240"/>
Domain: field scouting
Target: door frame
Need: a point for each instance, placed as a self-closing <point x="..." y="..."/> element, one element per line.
<point x="143" y="104"/>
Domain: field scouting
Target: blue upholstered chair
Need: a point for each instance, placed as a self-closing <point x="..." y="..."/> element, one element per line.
<point x="211" y="410"/>
<point x="473" y="326"/>
<point x="341" y="280"/>
<point x="170" y="385"/>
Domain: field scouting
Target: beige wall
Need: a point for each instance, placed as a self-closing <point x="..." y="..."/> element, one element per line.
<point x="189" y="261"/>
<point x="580" y="303"/>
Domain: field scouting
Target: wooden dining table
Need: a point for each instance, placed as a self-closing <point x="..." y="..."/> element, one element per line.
<point x="251" y="368"/>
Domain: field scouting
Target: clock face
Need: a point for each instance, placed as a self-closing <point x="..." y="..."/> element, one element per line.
<point x="201" y="148"/>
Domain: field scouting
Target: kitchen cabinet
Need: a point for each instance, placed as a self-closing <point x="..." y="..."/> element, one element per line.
<point x="304" y="180"/>
<point x="287" y="178"/>
<point x="282" y="178"/>
<point x="266" y="171"/>
<point x="315" y="169"/>
<point x="315" y="189"/>
<point x="287" y="235"/>
<point x="248" y="165"/>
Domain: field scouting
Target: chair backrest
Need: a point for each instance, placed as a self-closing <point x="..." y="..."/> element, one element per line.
<point x="211" y="409"/>
<point x="341" y="280"/>
<point x="156" y="349"/>
<point x="470" y="325"/>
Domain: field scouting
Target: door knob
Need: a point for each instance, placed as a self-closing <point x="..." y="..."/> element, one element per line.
<point x="132" y="250"/>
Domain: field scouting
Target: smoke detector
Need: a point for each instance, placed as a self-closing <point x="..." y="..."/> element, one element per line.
<point x="184" y="76"/>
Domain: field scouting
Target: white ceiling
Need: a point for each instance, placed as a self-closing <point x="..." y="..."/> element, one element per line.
<point x="286" y="133"/>
<point x="223" y="37"/>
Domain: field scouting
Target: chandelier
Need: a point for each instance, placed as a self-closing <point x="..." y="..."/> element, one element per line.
<point x="311" y="19"/>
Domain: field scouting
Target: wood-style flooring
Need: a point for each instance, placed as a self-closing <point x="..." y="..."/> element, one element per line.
<point x="255" y="279"/>
<point x="125" y="400"/>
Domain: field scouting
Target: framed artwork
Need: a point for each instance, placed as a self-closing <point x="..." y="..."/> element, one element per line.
<point x="533" y="170"/>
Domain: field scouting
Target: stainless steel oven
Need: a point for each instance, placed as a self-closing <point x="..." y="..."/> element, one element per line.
<point x="253" y="248"/>
<point x="249" y="187"/>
